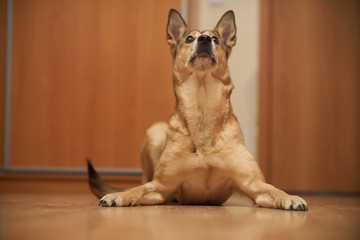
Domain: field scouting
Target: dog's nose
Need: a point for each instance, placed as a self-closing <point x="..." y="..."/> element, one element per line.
<point x="204" y="38"/>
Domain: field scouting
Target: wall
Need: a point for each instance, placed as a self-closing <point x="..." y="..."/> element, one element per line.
<point x="243" y="62"/>
<point x="2" y="72"/>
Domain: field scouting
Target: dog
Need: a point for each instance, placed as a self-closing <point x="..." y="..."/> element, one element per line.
<point x="199" y="157"/>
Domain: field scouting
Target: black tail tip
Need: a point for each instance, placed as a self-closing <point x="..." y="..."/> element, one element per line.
<point x="89" y="163"/>
<point x="91" y="170"/>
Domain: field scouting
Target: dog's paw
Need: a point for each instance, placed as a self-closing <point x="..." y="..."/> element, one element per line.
<point x="116" y="200"/>
<point x="290" y="202"/>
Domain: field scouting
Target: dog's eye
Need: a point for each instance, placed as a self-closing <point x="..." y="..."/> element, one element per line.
<point x="216" y="40"/>
<point x="189" y="39"/>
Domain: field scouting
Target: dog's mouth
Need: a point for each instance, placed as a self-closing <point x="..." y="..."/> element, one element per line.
<point x="203" y="53"/>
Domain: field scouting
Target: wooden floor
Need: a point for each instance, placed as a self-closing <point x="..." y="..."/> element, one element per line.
<point x="39" y="216"/>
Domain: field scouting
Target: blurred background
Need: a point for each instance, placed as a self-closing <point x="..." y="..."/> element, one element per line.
<point x="86" y="78"/>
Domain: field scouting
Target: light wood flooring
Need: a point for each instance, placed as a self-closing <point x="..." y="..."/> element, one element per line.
<point x="41" y="216"/>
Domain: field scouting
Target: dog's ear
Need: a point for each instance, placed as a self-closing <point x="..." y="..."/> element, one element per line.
<point x="175" y="28"/>
<point x="227" y="29"/>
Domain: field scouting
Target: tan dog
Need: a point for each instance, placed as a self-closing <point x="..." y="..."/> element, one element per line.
<point x="199" y="157"/>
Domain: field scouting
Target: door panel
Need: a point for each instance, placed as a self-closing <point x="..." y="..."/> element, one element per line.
<point x="312" y="116"/>
<point x="88" y="79"/>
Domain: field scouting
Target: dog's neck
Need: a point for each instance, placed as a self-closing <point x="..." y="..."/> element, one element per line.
<point x="203" y="104"/>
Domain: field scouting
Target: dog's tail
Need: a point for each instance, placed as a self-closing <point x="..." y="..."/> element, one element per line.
<point x="97" y="186"/>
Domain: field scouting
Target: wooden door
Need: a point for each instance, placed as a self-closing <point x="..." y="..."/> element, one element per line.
<point x="88" y="79"/>
<point x="310" y="94"/>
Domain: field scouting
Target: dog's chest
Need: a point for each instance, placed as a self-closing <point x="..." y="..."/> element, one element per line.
<point x="203" y="105"/>
<point x="205" y="186"/>
<point x="205" y="183"/>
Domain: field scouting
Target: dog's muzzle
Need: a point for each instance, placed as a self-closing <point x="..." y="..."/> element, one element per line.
<point x="204" y="49"/>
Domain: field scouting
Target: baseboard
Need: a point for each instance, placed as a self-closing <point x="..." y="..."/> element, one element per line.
<point x="41" y="183"/>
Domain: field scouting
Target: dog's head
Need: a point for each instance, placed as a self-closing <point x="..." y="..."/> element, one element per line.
<point x="195" y="50"/>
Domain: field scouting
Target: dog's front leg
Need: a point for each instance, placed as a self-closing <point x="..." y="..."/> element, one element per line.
<point x="248" y="177"/>
<point x="169" y="174"/>
<point x="147" y="194"/>
<point x="266" y="195"/>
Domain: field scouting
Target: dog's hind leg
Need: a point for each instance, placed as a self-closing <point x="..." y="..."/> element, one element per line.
<point x="152" y="149"/>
